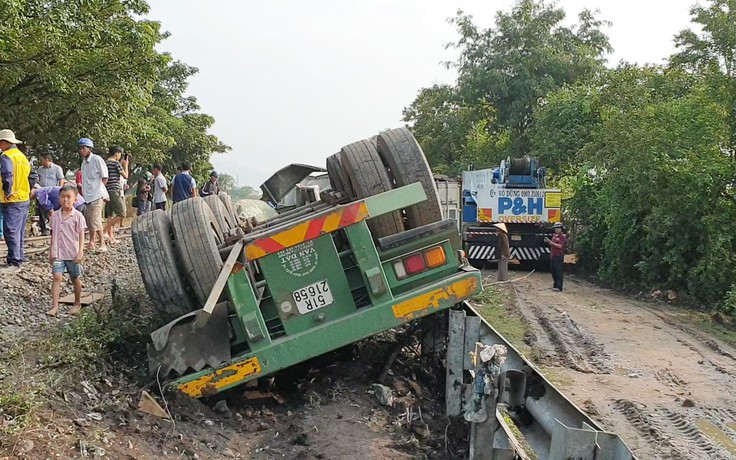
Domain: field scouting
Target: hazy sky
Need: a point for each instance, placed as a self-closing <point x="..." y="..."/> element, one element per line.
<point x="294" y="81"/>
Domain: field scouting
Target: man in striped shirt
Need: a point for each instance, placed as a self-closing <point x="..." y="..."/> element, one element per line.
<point x="115" y="208"/>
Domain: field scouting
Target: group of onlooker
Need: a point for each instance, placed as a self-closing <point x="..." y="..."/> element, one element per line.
<point x="151" y="190"/>
<point x="71" y="209"/>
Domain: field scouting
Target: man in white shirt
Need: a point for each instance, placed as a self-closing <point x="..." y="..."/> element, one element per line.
<point x="160" y="187"/>
<point x="94" y="178"/>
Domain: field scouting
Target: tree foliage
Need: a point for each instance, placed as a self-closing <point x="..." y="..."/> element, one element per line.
<point x="649" y="154"/>
<point x="646" y="154"/>
<point x="504" y="73"/>
<point x="74" y="68"/>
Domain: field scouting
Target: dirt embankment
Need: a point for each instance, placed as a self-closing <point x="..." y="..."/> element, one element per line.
<point x="643" y="369"/>
<point x="70" y="387"/>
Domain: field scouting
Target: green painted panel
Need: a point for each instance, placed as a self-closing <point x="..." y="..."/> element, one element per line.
<point x="297" y="277"/>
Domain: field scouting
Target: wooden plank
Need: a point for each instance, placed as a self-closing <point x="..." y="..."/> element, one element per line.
<point x="86" y="299"/>
<point x="455" y="351"/>
<point x="209" y="306"/>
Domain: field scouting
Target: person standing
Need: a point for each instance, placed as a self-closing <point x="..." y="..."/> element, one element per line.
<point x="504" y="252"/>
<point x="160" y="187"/>
<point x="115" y="208"/>
<point x="211" y="187"/>
<point x="557" y="255"/>
<point x="183" y="184"/>
<point x="15" y="196"/>
<point x="94" y="178"/>
<point x="49" y="175"/>
<point x="143" y="194"/>
<point x="67" y="248"/>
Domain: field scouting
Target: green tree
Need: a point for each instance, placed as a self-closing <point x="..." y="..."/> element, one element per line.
<point x="227" y="182"/>
<point x="504" y="75"/>
<point x="512" y="66"/>
<point x="245" y="192"/>
<point x="712" y="53"/>
<point x="73" y="68"/>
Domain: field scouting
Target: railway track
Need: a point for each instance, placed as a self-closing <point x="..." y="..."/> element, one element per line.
<point x="40" y="244"/>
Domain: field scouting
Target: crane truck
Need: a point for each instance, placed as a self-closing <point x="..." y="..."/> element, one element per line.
<point x="515" y="194"/>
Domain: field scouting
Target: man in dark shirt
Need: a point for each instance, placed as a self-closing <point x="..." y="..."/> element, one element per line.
<point x="143" y="194"/>
<point x="115" y="208"/>
<point x="212" y="187"/>
<point x="184" y="184"/>
<point x="557" y="255"/>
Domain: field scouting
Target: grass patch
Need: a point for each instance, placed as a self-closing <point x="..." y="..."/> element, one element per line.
<point x="16" y="408"/>
<point x="557" y="377"/>
<point x="107" y="340"/>
<point x="500" y="313"/>
<point x="721" y="332"/>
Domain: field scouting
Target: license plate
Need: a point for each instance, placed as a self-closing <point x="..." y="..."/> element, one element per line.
<point x="313" y="297"/>
<point x="515" y="237"/>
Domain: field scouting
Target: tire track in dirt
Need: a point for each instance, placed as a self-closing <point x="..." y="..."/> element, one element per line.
<point x="573" y="346"/>
<point x="639" y="419"/>
<point x="677" y="434"/>
<point x="708" y="342"/>
<point x="669" y="378"/>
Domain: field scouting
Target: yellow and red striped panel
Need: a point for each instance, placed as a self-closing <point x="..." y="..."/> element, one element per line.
<point x="485" y="215"/>
<point x="309" y="230"/>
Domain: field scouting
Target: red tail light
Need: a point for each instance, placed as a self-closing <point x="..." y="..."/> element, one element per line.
<point x="414" y="264"/>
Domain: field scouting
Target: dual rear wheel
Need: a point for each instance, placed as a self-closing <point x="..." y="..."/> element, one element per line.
<point x="371" y="166"/>
<point x="178" y="252"/>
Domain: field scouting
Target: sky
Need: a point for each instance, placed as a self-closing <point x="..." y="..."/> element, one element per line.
<point x="292" y="81"/>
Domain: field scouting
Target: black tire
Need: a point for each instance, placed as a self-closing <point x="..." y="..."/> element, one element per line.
<point x="198" y="234"/>
<point x="220" y="212"/>
<point x="159" y="264"/>
<point x="407" y="164"/>
<point x="339" y="180"/>
<point x="368" y="177"/>
<point x="232" y="216"/>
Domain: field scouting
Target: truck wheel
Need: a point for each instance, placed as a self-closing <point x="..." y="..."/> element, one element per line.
<point x="368" y="177"/>
<point x="159" y="264"/>
<point x="339" y="180"/>
<point x="198" y="234"/>
<point x="219" y="211"/>
<point x="407" y="164"/>
<point x="232" y="216"/>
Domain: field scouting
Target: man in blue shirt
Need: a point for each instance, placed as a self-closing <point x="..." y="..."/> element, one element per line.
<point x="48" y="198"/>
<point x="184" y="185"/>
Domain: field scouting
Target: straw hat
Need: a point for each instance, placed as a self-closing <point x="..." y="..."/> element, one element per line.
<point x="8" y="135"/>
<point x="501" y="226"/>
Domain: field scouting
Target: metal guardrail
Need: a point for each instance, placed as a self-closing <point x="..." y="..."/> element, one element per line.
<point x="513" y="410"/>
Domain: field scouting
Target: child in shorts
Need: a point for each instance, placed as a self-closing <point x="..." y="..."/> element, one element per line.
<point x="67" y="248"/>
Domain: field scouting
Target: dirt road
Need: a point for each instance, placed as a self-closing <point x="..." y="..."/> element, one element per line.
<point x="665" y="386"/>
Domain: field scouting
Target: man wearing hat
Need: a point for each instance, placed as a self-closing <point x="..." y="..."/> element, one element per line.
<point x="15" y="195"/>
<point x="94" y="178"/>
<point x="504" y="251"/>
<point x="211" y="187"/>
<point x="557" y="255"/>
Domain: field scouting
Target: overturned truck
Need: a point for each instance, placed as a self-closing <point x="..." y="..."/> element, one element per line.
<point x="246" y="296"/>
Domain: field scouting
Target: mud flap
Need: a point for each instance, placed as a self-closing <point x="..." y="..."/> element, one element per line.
<point x="180" y="345"/>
